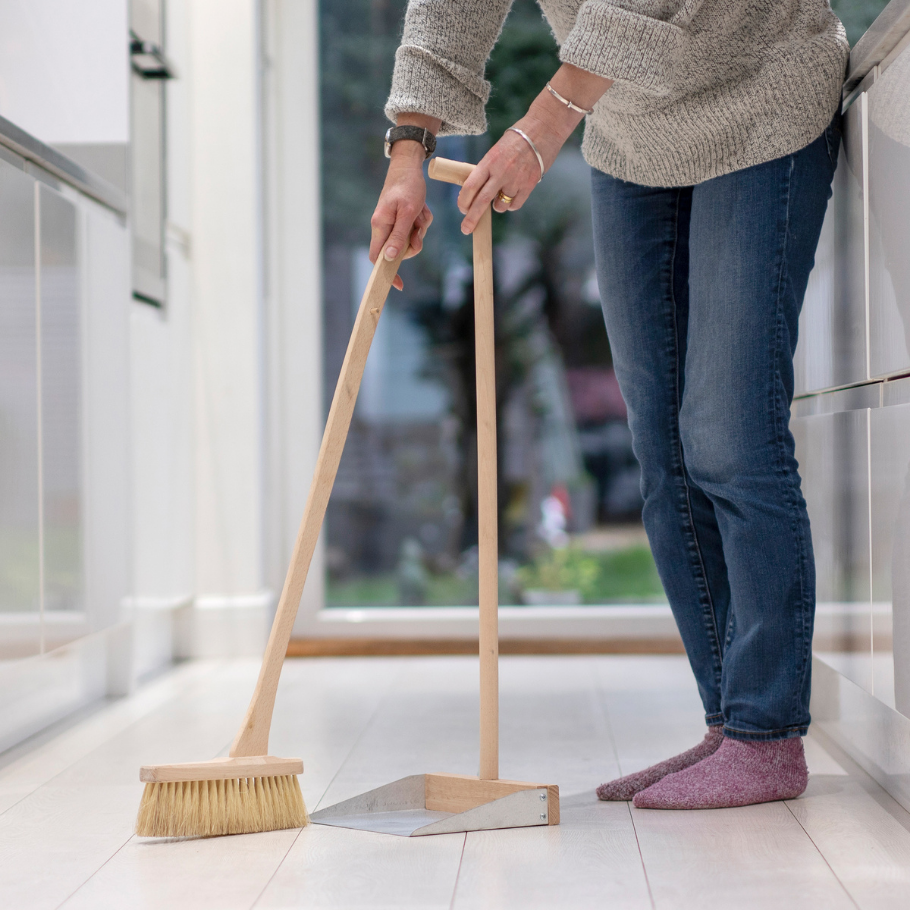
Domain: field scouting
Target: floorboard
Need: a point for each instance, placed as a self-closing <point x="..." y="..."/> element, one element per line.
<point x="357" y="870"/>
<point x="865" y="839"/>
<point x="74" y="824"/>
<point x="750" y="857"/>
<point x="321" y="710"/>
<point x="68" y="799"/>
<point x="590" y="860"/>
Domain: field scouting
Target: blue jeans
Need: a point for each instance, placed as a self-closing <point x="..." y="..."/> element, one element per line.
<point x="701" y="289"/>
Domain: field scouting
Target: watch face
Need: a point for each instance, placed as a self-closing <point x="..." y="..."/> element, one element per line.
<point x="388" y="145"/>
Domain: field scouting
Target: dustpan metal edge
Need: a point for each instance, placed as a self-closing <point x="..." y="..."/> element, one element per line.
<point x="523" y="809"/>
<point x="404" y="793"/>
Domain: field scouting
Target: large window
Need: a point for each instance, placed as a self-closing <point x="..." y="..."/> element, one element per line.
<point x="402" y="520"/>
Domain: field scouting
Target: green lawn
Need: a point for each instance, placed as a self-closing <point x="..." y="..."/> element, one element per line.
<point x="620" y="576"/>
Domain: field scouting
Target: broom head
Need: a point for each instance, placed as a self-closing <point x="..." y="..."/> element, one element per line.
<point x="221" y="796"/>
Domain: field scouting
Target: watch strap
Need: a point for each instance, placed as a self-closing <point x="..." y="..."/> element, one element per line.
<point x="417" y="133"/>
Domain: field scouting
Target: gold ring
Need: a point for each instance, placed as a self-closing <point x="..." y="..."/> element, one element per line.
<point x="502" y="197"/>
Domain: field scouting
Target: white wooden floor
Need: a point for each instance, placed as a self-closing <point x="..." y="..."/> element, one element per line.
<point x="68" y="799"/>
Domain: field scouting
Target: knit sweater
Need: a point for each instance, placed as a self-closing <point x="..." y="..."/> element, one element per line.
<point x="701" y="87"/>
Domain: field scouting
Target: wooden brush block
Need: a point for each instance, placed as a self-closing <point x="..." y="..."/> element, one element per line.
<point x="458" y="793"/>
<point x="222" y="769"/>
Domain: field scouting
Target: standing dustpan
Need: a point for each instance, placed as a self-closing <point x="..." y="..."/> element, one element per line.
<point x="448" y="803"/>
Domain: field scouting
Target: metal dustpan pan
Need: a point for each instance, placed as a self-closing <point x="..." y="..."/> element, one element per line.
<point x="448" y="803"/>
<point x="445" y="804"/>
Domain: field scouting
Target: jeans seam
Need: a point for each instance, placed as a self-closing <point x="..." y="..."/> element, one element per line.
<point x="712" y="627"/>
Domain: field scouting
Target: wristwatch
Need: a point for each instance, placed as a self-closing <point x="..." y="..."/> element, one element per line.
<point x="417" y="133"/>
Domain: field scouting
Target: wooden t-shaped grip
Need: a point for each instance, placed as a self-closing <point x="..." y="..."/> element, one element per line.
<point x="450" y="171"/>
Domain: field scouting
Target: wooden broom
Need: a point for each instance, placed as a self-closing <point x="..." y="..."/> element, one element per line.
<point x="251" y="790"/>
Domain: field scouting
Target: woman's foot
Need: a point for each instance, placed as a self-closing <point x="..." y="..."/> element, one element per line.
<point x="624" y="788"/>
<point x="739" y="773"/>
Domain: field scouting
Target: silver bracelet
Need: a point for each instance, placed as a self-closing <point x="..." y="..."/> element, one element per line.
<point x="527" y="139"/>
<point x="566" y="102"/>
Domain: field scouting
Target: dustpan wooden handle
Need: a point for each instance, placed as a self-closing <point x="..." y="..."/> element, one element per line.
<point x="253" y="737"/>
<point x="487" y="534"/>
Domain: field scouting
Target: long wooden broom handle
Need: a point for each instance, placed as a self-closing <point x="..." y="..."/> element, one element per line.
<point x="485" y="359"/>
<point x="253" y="737"/>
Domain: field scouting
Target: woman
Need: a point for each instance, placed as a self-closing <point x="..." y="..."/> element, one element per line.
<point x="712" y="135"/>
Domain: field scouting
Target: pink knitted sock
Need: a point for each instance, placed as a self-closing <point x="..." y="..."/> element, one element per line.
<point x="624" y="788"/>
<point x="739" y="773"/>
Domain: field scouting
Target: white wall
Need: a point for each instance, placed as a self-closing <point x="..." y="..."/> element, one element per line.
<point x="293" y="316"/>
<point x="227" y="413"/>
<point x="227" y="327"/>
<point x="162" y="363"/>
<point x="64" y="69"/>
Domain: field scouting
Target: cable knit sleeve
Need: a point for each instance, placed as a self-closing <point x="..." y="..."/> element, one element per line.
<point x="636" y="41"/>
<point x="439" y="67"/>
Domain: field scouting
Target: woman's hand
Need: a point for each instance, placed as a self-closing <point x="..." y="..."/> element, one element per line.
<point x="401" y="217"/>
<point x="511" y="165"/>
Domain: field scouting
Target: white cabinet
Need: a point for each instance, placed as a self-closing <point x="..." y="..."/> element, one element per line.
<point x="105" y="262"/>
<point x="832" y="327"/>
<point x="890" y="473"/>
<point x="20" y="551"/>
<point x="832" y="451"/>
<point x="64" y="446"/>
<point x="62" y="459"/>
<point x="889" y="219"/>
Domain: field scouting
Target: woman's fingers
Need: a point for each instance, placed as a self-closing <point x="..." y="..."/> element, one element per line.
<point x="482" y="201"/>
<point x="398" y="238"/>
<point x="399" y="234"/>
<point x="381" y="225"/>
<point x="423" y="222"/>
<point x="509" y="167"/>
<point x="421" y="226"/>
<point x="475" y="182"/>
<point x="385" y="238"/>
<point x="503" y="205"/>
<point x="415" y="242"/>
<point x="519" y="199"/>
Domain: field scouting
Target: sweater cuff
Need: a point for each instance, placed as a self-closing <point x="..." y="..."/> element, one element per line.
<point x="624" y="46"/>
<point x="424" y="83"/>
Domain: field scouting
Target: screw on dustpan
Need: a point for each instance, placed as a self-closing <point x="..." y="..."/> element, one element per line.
<point x="543" y="816"/>
<point x="543" y="797"/>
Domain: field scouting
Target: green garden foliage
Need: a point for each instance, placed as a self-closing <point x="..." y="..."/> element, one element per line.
<point x="627" y="575"/>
